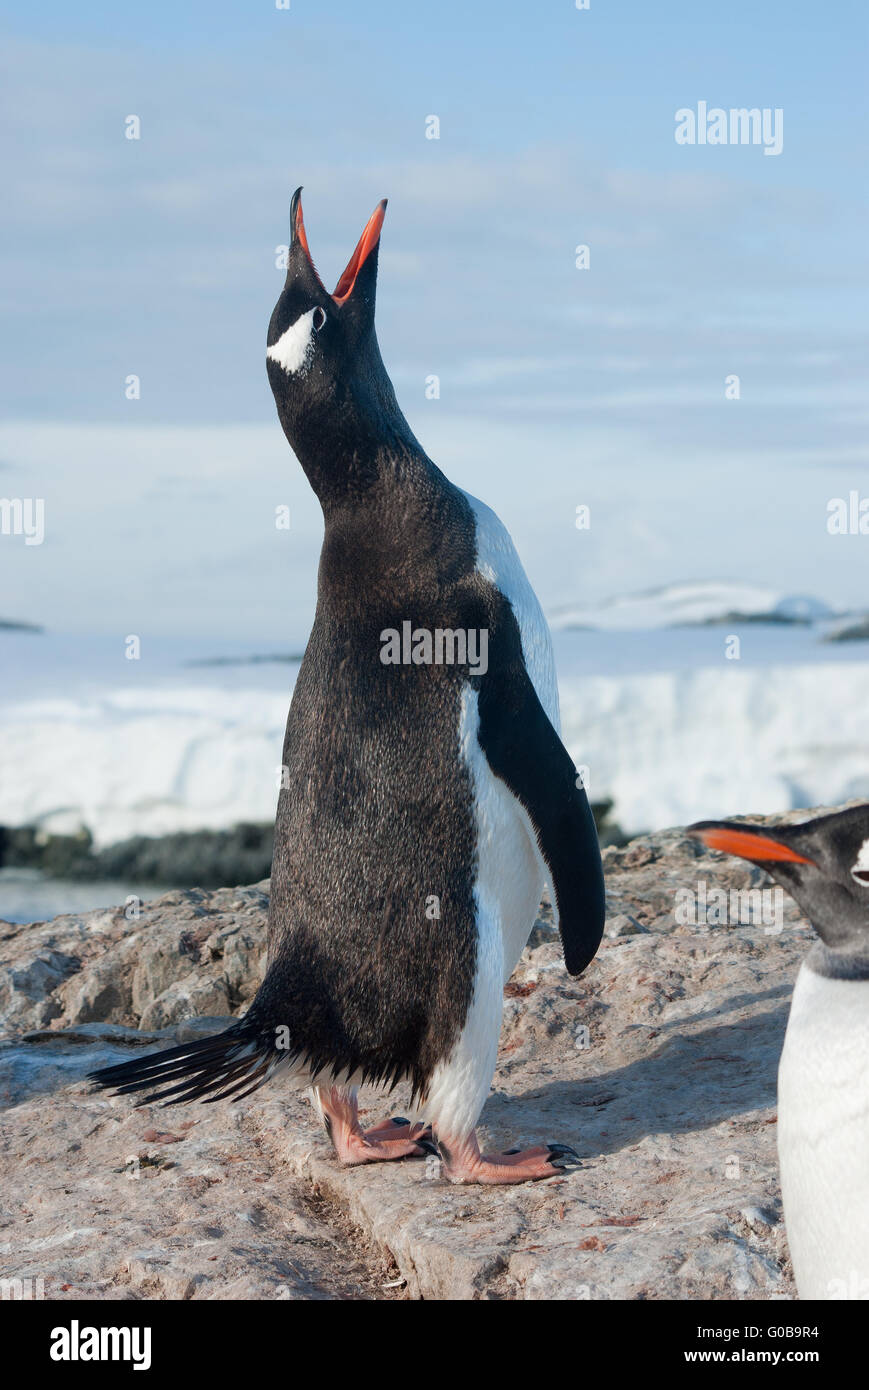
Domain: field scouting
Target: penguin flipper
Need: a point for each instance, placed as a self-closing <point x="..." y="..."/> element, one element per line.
<point x="523" y="749"/>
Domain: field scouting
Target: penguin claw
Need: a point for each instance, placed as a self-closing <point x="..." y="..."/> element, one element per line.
<point x="464" y="1163"/>
<point x="563" y="1157"/>
<point x="562" y="1151"/>
<point x="424" y="1139"/>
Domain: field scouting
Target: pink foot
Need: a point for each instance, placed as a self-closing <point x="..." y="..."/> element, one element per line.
<point x="463" y="1162"/>
<point x="390" y="1139"/>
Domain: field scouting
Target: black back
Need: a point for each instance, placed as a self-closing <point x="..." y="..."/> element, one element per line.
<point x="376" y="819"/>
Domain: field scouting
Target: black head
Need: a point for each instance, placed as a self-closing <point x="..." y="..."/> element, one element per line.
<point x="823" y="864"/>
<point x="334" y="398"/>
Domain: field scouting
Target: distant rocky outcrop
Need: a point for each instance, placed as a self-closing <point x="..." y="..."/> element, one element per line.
<point x="855" y="630"/>
<point x="702" y="604"/>
<point x="658" y="1065"/>
<point x="210" y="858"/>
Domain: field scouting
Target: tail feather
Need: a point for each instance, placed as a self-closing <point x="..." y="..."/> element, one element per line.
<point x="208" y="1069"/>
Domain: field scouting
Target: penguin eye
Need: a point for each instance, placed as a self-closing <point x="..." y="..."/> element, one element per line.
<point x="319" y="319"/>
<point x="860" y="876"/>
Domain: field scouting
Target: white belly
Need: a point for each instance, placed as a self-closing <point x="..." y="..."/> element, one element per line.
<point x="510" y="871"/>
<point x="823" y="1136"/>
<point x="507" y="887"/>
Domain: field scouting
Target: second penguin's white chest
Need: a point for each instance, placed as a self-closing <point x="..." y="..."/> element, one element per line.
<point x="823" y="1135"/>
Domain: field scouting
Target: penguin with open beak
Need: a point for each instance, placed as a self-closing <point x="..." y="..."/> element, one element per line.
<point x="427" y="793"/>
<point x="823" y="1079"/>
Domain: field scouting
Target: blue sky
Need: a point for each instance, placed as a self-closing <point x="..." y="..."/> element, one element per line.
<point x="156" y="257"/>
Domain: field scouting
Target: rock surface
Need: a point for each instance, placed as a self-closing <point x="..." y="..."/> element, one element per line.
<point x="658" y="1066"/>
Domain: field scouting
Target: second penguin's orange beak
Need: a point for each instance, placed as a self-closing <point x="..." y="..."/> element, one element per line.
<point x="745" y="842"/>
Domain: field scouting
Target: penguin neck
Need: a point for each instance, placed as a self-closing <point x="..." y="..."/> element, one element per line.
<point x="356" y="443"/>
<point x="838" y="964"/>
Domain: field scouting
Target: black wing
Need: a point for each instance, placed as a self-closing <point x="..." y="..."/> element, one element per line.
<point x="523" y="749"/>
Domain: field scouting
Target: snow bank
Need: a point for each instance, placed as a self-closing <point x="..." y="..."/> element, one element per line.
<point x="669" y="747"/>
<point x="145" y="762"/>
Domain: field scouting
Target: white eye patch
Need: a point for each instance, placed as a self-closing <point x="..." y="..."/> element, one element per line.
<point x="295" y="346"/>
<point x="860" y="867"/>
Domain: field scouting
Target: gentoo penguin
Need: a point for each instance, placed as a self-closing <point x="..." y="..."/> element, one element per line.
<point x="428" y="794"/>
<point x="823" y="1079"/>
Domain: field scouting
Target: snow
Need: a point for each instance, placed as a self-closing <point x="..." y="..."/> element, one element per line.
<point x="145" y="762"/>
<point x="667" y="727"/>
<point x="673" y="747"/>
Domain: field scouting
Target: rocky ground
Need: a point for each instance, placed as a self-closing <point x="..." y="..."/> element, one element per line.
<point x="658" y="1066"/>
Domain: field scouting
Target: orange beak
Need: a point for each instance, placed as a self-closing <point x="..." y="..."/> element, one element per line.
<point x="364" y="246"/>
<point x="299" y="226"/>
<point x="746" y="844"/>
